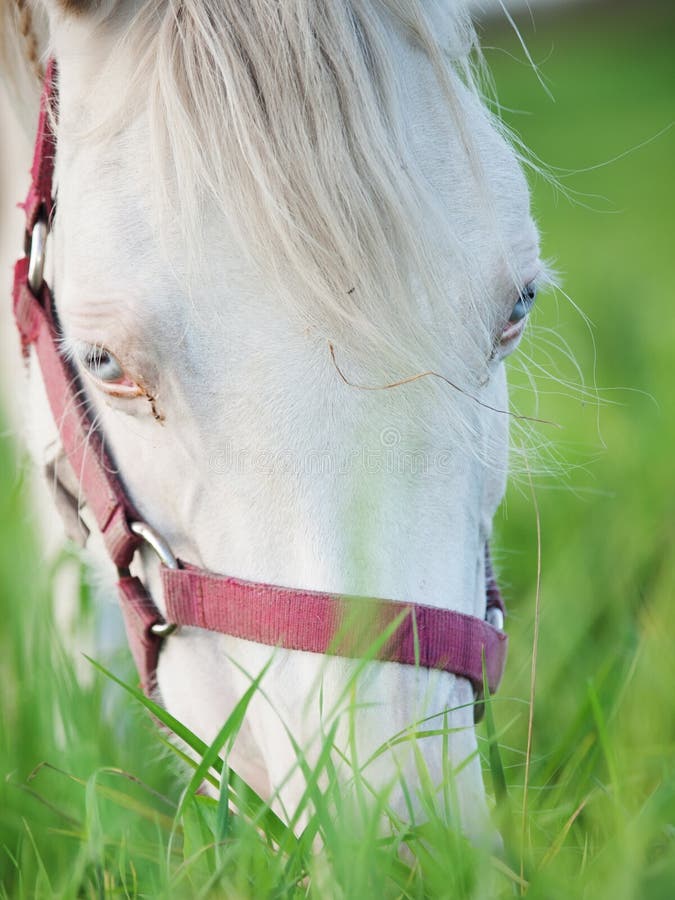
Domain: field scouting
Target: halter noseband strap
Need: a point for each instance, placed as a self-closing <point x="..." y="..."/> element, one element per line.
<point x="408" y="633"/>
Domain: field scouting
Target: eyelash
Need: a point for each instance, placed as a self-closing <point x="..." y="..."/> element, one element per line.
<point x="94" y="359"/>
<point x="98" y="359"/>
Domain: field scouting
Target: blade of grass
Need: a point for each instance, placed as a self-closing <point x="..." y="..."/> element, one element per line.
<point x="494" y="755"/>
<point x="533" y="678"/>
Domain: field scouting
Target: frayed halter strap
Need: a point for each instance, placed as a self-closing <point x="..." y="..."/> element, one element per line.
<point x="312" y="621"/>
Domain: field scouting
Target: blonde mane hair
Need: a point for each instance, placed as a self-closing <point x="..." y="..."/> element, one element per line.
<point x="287" y="116"/>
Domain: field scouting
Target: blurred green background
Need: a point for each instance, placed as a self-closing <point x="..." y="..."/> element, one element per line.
<point x="601" y="801"/>
<point x="607" y="634"/>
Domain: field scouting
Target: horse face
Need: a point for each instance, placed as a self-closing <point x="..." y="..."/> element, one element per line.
<point x="248" y="432"/>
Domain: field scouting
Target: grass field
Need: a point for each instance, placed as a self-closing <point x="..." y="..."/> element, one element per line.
<point x="105" y="816"/>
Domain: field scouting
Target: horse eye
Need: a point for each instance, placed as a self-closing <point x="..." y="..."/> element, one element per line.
<point x="524" y="303"/>
<point x="105" y="369"/>
<point x="102" y="364"/>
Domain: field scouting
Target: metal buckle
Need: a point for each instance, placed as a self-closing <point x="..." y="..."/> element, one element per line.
<point x="495" y="617"/>
<point x="156" y="542"/>
<point x="36" y="262"/>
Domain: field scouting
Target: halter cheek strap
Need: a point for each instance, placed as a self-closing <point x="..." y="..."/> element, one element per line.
<point x="312" y="621"/>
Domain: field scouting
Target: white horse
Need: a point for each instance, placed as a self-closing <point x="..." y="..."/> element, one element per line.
<point x="271" y="217"/>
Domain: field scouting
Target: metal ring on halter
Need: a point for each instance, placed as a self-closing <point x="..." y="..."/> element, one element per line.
<point x="36" y="262"/>
<point x="156" y="542"/>
<point x="495" y="617"/>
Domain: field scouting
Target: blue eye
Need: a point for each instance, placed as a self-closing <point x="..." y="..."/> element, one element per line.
<point x="102" y="364"/>
<point x="524" y="303"/>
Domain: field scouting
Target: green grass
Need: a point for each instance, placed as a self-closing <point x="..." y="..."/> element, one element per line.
<point x="109" y="815"/>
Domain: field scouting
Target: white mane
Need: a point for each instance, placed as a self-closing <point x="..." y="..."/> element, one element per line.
<point x="289" y="119"/>
<point x="306" y="152"/>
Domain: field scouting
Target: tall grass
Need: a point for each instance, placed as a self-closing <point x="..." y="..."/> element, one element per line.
<point x="95" y="803"/>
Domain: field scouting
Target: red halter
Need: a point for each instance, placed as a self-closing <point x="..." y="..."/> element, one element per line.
<point x="266" y="614"/>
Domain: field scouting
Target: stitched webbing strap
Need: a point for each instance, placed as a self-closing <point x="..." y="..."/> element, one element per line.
<point x="39" y="196"/>
<point x="83" y="446"/>
<point x="81" y="442"/>
<point x="331" y="624"/>
<point x="36" y="320"/>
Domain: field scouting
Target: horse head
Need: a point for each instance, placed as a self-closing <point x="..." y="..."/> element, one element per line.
<point x="290" y="251"/>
